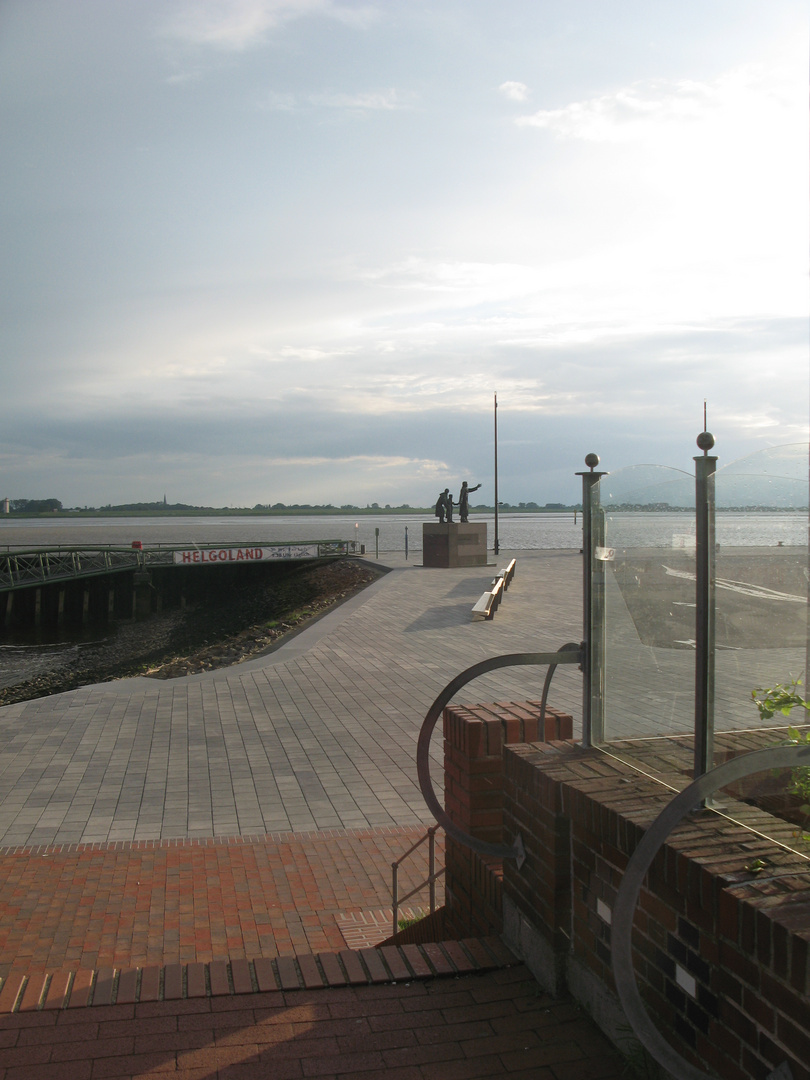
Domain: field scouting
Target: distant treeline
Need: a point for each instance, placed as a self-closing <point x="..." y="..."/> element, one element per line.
<point x="49" y="506"/>
<point x="34" y="506"/>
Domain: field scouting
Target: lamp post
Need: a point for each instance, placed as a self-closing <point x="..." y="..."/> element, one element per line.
<point x="497" y="545"/>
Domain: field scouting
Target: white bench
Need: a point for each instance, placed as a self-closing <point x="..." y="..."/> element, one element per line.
<point x="508" y="573"/>
<point x="488" y="603"/>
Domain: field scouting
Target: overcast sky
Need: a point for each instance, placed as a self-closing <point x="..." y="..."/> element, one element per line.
<point x="259" y="251"/>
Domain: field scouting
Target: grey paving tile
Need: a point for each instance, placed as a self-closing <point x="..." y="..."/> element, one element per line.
<point x="321" y="732"/>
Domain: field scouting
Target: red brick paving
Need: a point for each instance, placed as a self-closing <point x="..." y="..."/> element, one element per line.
<point x="161" y="902"/>
<point x="197" y="943"/>
<point x="496" y="1024"/>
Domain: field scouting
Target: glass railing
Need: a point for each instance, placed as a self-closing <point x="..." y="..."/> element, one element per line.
<point x="762" y="633"/>
<point x="645" y="571"/>
<point x="761" y="580"/>
<point x="649" y="596"/>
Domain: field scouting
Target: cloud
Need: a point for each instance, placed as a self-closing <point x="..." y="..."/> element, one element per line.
<point x="386" y="100"/>
<point x="236" y="25"/>
<point x="470" y="281"/>
<point x="643" y="109"/>
<point x="514" y="91"/>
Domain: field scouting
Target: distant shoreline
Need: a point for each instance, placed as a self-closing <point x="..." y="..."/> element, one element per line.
<point x="196" y="511"/>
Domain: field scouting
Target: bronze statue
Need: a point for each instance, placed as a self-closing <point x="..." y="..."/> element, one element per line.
<point x="444" y="506"/>
<point x="463" y="501"/>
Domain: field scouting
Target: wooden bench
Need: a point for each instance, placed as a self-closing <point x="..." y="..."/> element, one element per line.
<point x="508" y="574"/>
<point x="488" y="604"/>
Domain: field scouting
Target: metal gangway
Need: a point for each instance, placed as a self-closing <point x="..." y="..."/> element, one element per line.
<point x="34" y="567"/>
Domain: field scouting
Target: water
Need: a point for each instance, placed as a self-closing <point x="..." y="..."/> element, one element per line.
<point x="517" y="532"/>
<point x="20" y="660"/>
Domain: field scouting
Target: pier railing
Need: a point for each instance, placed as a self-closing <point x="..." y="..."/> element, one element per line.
<point x="21" y="569"/>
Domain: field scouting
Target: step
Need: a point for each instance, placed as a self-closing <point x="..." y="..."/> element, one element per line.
<point x="27" y="992"/>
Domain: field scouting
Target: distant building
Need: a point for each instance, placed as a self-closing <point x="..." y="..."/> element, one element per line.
<point x="5" y="506"/>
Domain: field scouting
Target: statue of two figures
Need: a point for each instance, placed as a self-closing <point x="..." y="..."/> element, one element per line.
<point x="445" y="504"/>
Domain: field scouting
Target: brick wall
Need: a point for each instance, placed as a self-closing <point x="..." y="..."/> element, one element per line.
<point x="474" y="739"/>
<point x="721" y="953"/>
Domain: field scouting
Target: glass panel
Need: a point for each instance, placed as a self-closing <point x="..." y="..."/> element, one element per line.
<point x="762" y="581"/>
<point x="762" y="631"/>
<point x="649" y="588"/>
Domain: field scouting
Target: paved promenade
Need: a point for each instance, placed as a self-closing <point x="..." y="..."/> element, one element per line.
<point x="186" y="861"/>
<point x="319" y="734"/>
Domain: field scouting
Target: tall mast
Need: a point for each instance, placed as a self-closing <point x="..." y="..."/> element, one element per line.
<point x="497" y="546"/>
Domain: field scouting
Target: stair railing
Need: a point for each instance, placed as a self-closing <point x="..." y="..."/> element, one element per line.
<point x="432" y="878"/>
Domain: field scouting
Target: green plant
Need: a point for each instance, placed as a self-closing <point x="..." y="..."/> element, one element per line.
<point x="784" y="698"/>
<point x="403" y="924"/>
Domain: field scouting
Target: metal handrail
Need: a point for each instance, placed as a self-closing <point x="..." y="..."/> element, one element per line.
<point x="431" y="879"/>
<point x="26" y="568"/>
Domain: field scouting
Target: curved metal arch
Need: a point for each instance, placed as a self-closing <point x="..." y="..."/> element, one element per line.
<point x="571" y="653"/>
<point x="777" y="757"/>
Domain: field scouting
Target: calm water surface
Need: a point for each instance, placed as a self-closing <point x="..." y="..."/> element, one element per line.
<point x="22" y="659"/>
<point x="517" y="532"/>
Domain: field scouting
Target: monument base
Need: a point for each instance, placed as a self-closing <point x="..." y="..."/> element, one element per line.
<point x="454" y="543"/>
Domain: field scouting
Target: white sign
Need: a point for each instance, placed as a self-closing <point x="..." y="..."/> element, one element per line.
<point x="604" y="554"/>
<point x="216" y="556"/>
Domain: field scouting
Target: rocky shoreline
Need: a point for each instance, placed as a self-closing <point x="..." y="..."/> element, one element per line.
<point x="230" y="625"/>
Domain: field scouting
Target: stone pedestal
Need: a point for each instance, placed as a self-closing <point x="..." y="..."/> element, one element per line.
<point x="454" y="544"/>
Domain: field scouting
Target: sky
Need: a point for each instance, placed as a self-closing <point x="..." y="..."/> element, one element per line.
<point x="259" y="251"/>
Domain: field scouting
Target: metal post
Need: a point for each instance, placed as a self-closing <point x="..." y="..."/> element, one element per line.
<point x="432" y="867"/>
<point x="705" y="574"/>
<point x="406" y="543"/>
<point x="394" y="898"/>
<point x="497" y="542"/>
<point x="593" y="606"/>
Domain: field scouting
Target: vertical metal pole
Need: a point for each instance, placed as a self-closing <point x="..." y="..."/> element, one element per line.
<point x="406" y="543"/>
<point x="394" y="898"/>
<point x="432" y="867"/>
<point x="593" y="607"/>
<point x="497" y="543"/>
<point x="705" y="574"/>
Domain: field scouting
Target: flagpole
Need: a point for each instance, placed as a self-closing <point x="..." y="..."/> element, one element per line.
<point x="497" y="546"/>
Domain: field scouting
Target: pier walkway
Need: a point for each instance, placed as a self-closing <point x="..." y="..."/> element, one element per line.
<point x="319" y="734"/>
<point x="230" y="835"/>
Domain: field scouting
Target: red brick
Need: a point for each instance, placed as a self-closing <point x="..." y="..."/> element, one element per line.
<point x="240" y="973"/>
<point x="265" y="976"/>
<point x="310" y="972"/>
<point x="150" y="984"/>
<point x="57" y="991"/>
<point x="32" y="993"/>
<point x="127" y="987"/>
<point x="332" y="970"/>
<point x="80" y="991"/>
<point x="218" y="974"/>
<point x="355" y="972"/>
<point x="172" y="982"/>
<point x="12" y="986"/>
<point x="103" y="989"/>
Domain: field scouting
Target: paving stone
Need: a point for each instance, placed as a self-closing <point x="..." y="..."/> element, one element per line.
<point x="306" y="716"/>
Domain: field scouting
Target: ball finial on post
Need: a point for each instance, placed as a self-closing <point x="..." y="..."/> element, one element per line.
<point x="705" y="441"/>
<point x="591" y="460"/>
